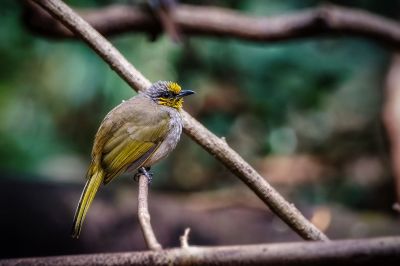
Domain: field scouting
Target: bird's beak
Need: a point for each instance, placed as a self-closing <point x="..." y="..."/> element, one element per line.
<point x="184" y="93"/>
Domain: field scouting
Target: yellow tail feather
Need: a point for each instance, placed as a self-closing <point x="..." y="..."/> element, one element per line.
<point x="92" y="185"/>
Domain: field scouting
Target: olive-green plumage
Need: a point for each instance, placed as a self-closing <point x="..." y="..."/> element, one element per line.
<point x="137" y="133"/>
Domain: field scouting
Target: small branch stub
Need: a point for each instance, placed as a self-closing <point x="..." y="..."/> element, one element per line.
<point x="144" y="215"/>
<point x="185" y="238"/>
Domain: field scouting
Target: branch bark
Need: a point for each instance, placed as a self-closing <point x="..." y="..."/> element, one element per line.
<point x="144" y="215"/>
<point x="214" y="145"/>
<point x="222" y="22"/>
<point x="377" y="251"/>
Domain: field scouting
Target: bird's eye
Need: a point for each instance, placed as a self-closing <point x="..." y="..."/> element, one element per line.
<point x="166" y="94"/>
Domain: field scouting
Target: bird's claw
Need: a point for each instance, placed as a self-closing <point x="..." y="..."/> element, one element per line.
<point x="143" y="171"/>
<point x="136" y="177"/>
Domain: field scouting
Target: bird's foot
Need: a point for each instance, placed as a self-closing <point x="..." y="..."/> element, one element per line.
<point x="143" y="171"/>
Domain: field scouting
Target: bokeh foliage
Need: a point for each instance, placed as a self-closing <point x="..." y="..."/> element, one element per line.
<point x="280" y="98"/>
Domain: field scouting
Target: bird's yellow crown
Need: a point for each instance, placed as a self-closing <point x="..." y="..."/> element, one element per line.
<point x="174" y="87"/>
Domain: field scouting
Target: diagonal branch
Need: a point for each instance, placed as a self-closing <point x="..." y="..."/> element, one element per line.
<point x="218" y="148"/>
<point x="144" y="216"/>
<point x="236" y="164"/>
<point x="375" y="251"/>
<point x="222" y="22"/>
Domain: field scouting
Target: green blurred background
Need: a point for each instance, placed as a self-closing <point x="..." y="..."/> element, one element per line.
<point x="306" y="113"/>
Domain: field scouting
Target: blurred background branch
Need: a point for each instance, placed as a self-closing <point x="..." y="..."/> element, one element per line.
<point x="222" y="22"/>
<point x="391" y="118"/>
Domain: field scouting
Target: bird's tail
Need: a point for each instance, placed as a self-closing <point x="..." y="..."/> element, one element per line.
<point x="92" y="185"/>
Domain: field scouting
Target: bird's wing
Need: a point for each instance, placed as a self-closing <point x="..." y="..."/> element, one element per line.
<point x="128" y="136"/>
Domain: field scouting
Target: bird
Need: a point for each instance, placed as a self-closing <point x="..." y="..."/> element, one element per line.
<point x="133" y="136"/>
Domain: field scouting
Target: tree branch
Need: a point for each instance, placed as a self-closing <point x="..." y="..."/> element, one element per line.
<point x="376" y="251"/>
<point x="214" y="145"/>
<point x="144" y="215"/>
<point x="222" y="22"/>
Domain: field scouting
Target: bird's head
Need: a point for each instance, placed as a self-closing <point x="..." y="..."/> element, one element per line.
<point x="167" y="93"/>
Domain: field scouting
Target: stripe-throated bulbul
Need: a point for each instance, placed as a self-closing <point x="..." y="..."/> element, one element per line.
<point x="133" y="136"/>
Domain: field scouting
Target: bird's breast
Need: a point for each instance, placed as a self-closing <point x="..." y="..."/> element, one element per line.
<point x="172" y="138"/>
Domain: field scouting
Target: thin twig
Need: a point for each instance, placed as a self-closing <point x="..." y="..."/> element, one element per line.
<point x="375" y="251"/>
<point x="214" y="145"/>
<point x="184" y="239"/>
<point x="222" y="22"/>
<point x="144" y="215"/>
